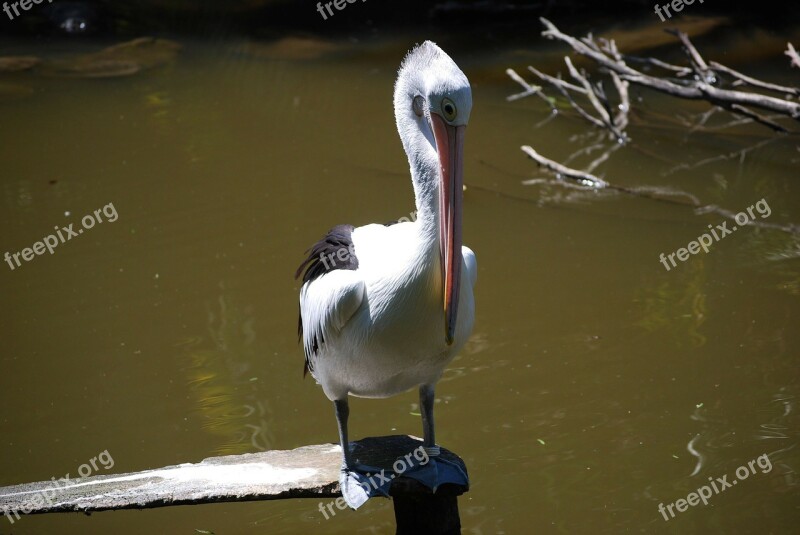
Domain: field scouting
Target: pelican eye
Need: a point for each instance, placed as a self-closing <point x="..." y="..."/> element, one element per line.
<point x="449" y="110"/>
<point x="419" y="106"/>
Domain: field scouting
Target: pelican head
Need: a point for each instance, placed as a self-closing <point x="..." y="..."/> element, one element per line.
<point x="432" y="104"/>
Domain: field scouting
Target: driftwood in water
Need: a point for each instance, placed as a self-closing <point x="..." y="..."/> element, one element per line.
<point x="723" y="87"/>
<point x="306" y="472"/>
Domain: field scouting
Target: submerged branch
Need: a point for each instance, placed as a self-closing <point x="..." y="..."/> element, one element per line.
<point x="586" y="179"/>
<point x="700" y="80"/>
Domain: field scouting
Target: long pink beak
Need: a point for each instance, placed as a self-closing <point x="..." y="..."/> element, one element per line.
<point x="449" y="145"/>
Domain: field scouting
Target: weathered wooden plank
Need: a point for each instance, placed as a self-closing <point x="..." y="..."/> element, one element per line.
<point x="309" y="471"/>
<point x="306" y="472"/>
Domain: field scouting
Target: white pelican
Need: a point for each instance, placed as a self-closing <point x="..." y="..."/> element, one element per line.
<point x="384" y="308"/>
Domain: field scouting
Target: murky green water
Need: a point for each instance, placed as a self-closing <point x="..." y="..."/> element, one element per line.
<point x="597" y="384"/>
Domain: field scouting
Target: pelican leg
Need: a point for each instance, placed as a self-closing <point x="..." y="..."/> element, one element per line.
<point x="426" y="398"/>
<point x="352" y="483"/>
<point x="342" y="412"/>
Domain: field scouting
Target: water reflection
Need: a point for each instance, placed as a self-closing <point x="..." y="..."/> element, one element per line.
<point x="676" y="302"/>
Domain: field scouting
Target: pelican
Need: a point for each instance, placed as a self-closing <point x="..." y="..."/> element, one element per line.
<point x="385" y="308"/>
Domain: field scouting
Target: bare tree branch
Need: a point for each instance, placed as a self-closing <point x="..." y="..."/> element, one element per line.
<point x="700" y="89"/>
<point x="587" y="179"/>
<point x="746" y="105"/>
<point x="594" y="95"/>
<point x="529" y="89"/>
<point x="583" y="113"/>
<point x="557" y="82"/>
<point x="752" y="81"/>
<point x="698" y="63"/>
<point x="621" y="118"/>
<point x="679" y="71"/>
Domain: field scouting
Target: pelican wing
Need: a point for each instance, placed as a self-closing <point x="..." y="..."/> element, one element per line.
<point x="326" y="305"/>
<point x="332" y="290"/>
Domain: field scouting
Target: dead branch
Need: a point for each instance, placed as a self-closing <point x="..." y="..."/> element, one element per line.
<point x="577" y="107"/>
<point x="699" y="65"/>
<point x="679" y="71"/>
<point x="752" y="81"/>
<point x="557" y="82"/>
<point x="586" y="179"/>
<point x="621" y="118"/>
<point x="702" y="87"/>
<point x="594" y="94"/>
<point x="701" y="80"/>
<point x="529" y="89"/>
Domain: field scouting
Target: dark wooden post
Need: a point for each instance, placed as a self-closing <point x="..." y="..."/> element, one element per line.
<point x="418" y="510"/>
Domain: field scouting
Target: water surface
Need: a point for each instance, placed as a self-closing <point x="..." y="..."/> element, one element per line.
<point x="596" y="385"/>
